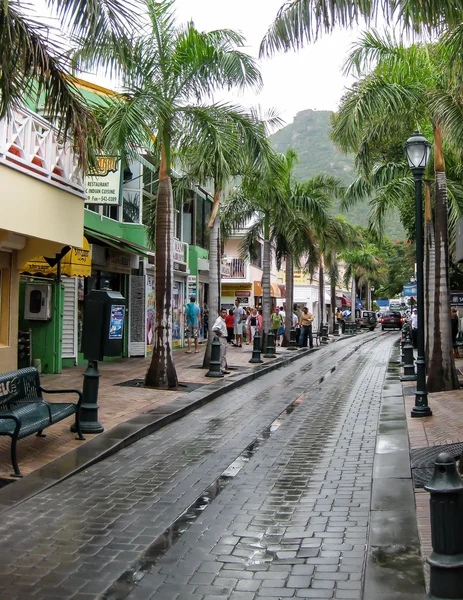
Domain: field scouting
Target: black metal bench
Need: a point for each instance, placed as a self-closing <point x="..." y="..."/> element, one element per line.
<point x="23" y="410"/>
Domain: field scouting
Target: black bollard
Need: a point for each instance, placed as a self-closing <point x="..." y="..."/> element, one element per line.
<point x="214" y="365"/>
<point x="256" y="350"/>
<point x="324" y="334"/>
<point x="89" y="408"/>
<point x="336" y="329"/>
<point x="270" y="348"/>
<point x="409" y="364"/>
<point x="446" y="507"/>
<point x="292" y="339"/>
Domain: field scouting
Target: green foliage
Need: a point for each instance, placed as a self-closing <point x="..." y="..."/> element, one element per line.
<point x="309" y="135"/>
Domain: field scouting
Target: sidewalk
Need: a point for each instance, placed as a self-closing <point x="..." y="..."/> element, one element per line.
<point x="117" y="403"/>
<point x="443" y="428"/>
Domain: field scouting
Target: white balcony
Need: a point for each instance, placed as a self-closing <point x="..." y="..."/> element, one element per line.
<point x="234" y="268"/>
<point x="31" y="145"/>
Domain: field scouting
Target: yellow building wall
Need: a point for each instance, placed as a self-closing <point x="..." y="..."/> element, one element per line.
<point x="31" y="207"/>
<point x="9" y="290"/>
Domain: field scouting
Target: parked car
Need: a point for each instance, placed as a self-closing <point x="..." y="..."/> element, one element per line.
<point x="367" y="319"/>
<point x="391" y="320"/>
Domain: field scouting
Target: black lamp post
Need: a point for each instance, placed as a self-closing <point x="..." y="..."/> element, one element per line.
<point x="417" y="149"/>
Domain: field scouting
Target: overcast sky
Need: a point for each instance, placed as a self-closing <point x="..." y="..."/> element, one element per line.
<point x="311" y="78"/>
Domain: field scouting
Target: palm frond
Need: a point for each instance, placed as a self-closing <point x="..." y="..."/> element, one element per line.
<point x="304" y="21"/>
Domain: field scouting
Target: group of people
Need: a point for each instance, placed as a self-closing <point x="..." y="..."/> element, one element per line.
<point x="240" y="324"/>
<point x="230" y="324"/>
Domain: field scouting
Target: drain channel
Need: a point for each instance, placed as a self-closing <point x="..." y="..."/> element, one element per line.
<point x="128" y="580"/>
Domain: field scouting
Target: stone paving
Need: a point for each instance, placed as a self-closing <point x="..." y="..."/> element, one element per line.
<point x="117" y="404"/>
<point x="77" y="538"/>
<point x="295" y="521"/>
<point x="444" y="427"/>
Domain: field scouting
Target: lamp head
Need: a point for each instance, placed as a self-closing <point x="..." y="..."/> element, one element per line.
<point x="417" y="149"/>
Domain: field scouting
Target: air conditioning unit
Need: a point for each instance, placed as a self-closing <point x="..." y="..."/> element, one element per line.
<point x="37" y="303"/>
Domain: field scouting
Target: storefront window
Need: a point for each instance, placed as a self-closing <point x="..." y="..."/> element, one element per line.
<point x="131" y="192"/>
<point x="188" y="222"/>
<point x="257" y="261"/>
<point x="131" y="207"/>
<point x="177" y="313"/>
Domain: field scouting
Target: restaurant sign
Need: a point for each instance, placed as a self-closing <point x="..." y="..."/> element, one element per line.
<point x="102" y="184"/>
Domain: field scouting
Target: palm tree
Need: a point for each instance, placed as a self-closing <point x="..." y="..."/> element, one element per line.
<point x="286" y="214"/>
<point x="300" y="21"/>
<point x="34" y="63"/>
<point x="412" y="83"/>
<point x="338" y="237"/>
<point x="169" y="76"/>
<point x="229" y="141"/>
<point x="362" y="265"/>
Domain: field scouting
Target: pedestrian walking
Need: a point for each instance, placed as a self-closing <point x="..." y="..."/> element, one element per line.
<point x="415" y="328"/>
<point x="253" y="324"/>
<point x="239" y="315"/>
<point x="259" y="321"/>
<point x="454" y="322"/>
<point x="294" y="320"/>
<point x="229" y="322"/>
<point x="305" y="323"/>
<point x="192" y="316"/>
<point x="281" y="331"/>
<point x="206" y="320"/>
<point x="275" y="323"/>
<point x="220" y="330"/>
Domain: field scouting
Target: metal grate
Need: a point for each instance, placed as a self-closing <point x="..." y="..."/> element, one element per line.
<point x="183" y="386"/>
<point x="422" y="461"/>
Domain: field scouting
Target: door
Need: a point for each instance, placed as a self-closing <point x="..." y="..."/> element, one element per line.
<point x="69" y="349"/>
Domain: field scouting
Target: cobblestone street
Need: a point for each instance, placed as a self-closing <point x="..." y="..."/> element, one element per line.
<point x="272" y="484"/>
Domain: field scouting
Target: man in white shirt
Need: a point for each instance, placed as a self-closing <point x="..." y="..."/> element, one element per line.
<point x="220" y="330"/>
<point x="415" y="328"/>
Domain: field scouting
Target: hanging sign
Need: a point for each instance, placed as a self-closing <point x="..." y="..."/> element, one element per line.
<point x="410" y="289"/>
<point x="102" y="184"/>
<point x="191" y="286"/>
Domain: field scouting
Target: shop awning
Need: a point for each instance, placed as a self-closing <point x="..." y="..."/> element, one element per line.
<point x="274" y="289"/>
<point x="115" y="242"/>
<point x="75" y="262"/>
<point x="282" y="290"/>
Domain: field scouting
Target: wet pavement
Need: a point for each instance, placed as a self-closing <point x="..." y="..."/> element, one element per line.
<point x="263" y="493"/>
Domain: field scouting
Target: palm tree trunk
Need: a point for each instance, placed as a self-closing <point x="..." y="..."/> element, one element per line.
<point x="321" y="293"/>
<point x="214" y="274"/>
<point x="333" y="305"/>
<point x="266" y="301"/>
<point x="442" y="373"/>
<point x="429" y="271"/>
<point x="161" y="372"/>
<point x="353" y="293"/>
<point x="289" y="298"/>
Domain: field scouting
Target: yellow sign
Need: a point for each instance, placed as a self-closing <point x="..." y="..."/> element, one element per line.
<point x="301" y="277"/>
<point x="229" y="289"/>
<point x="75" y="263"/>
<point x="102" y="184"/>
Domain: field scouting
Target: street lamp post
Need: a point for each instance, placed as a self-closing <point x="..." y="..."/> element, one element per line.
<point x="417" y="149"/>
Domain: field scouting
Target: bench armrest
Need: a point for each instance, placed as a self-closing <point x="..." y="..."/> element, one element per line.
<point x="15" y="419"/>
<point x="78" y="392"/>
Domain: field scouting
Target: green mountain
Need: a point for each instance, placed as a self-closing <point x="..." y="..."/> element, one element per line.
<point x="308" y="135"/>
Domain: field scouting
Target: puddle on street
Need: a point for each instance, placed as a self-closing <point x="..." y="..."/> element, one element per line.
<point x="128" y="580"/>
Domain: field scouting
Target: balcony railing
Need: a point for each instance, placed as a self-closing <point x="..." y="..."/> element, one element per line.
<point x="30" y="144"/>
<point x="233" y="268"/>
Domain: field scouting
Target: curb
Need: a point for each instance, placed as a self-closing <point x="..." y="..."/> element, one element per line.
<point x="125" y="434"/>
